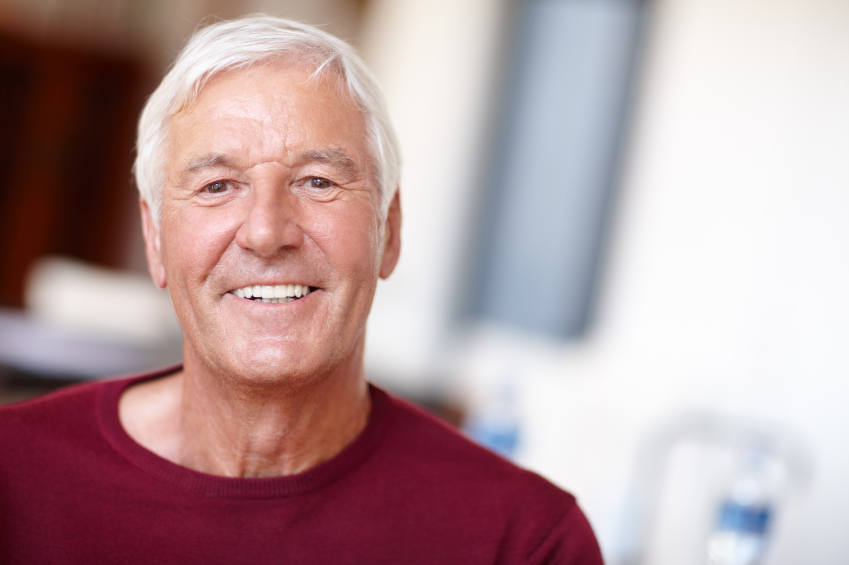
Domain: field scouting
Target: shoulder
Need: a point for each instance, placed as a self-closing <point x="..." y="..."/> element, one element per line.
<point x="444" y="475"/>
<point x="71" y="411"/>
<point x="420" y="437"/>
<point x="55" y="411"/>
<point x="40" y="436"/>
<point x="61" y="432"/>
<point x="53" y="426"/>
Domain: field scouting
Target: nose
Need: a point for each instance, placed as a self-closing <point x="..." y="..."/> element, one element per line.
<point x="271" y="220"/>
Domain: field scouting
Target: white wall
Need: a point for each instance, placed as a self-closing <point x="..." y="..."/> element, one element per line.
<point x="727" y="286"/>
<point x="435" y="60"/>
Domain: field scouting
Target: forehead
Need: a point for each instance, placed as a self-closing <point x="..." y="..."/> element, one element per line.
<point x="267" y="112"/>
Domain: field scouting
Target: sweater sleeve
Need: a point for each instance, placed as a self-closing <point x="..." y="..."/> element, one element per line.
<point x="570" y="542"/>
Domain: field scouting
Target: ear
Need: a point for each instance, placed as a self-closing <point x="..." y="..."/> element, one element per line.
<point x="152" y="246"/>
<point x="391" y="237"/>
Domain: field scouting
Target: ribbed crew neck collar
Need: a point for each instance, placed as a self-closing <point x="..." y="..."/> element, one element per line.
<point x="227" y="487"/>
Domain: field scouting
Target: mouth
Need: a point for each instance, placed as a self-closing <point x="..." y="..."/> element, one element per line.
<point x="274" y="294"/>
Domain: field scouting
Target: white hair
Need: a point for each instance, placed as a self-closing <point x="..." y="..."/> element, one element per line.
<point x="240" y="44"/>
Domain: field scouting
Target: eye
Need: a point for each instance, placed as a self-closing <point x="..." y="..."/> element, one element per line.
<point x="215" y="187"/>
<point x="318" y="182"/>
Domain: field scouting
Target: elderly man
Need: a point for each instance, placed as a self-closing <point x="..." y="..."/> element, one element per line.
<point x="268" y="174"/>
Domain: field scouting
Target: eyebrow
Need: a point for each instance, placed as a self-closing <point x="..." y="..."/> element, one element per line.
<point x="206" y="161"/>
<point x="334" y="156"/>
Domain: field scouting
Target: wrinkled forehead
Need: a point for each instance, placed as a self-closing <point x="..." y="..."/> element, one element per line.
<point x="316" y="68"/>
<point x="261" y="110"/>
<point x="271" y="86"/>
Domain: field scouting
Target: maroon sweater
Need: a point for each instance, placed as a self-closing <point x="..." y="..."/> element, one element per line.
<point x="75" y="488"/>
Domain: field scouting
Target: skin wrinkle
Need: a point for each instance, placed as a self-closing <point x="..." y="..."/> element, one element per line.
<point x="323" y="69"/>
<point x="267" y="389"/>
<point x="335" y="157"/>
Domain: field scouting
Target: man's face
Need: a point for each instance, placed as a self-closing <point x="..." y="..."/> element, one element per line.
<point x="269" y="183"/>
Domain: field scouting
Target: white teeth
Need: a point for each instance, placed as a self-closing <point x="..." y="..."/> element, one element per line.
<point x="276" y="294"/>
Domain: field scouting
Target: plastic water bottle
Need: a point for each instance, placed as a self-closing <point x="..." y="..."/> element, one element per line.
<point x="741" y="532"/>
<point x="496" y="424"/>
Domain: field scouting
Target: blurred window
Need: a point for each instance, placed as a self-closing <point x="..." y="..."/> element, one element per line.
<point x="555" y="162"/>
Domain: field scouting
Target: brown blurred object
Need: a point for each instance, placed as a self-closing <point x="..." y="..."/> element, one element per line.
<point x="67" y="115"/>
<point x="444" y="408"/>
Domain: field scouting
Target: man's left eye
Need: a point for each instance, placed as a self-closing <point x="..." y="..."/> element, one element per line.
<point x="318" y="182"/>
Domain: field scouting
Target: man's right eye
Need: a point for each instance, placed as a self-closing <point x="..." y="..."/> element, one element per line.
<point x="215" y="187"/>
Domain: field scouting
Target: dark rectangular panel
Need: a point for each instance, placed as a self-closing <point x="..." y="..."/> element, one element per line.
<point x="554" y="170"/>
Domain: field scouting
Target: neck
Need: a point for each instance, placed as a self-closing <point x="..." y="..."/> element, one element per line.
<point x="219" y="426"/>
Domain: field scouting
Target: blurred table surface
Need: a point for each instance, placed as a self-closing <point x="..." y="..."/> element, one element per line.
<point x="47" y="352"/>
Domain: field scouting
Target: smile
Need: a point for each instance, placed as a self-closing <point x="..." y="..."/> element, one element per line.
<point x="275" y="294"/>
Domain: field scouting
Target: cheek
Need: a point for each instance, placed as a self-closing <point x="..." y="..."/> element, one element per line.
<point x="350" y="241"/>
<point x="195" y="241"/>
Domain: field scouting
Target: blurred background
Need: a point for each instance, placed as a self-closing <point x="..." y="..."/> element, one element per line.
<point x="625" y="240"/>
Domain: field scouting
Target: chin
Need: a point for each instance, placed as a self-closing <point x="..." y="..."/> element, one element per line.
<point x="275" y="366"/>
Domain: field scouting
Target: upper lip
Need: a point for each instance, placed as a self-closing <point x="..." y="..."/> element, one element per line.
<point x="278" y="283"/>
